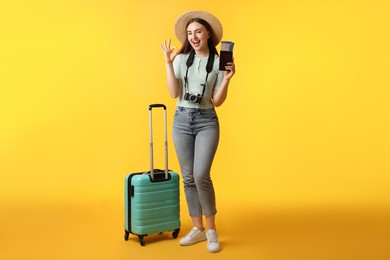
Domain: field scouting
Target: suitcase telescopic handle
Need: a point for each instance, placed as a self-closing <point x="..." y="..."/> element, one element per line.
<point x="151" y="139"/>
<point x="157" y="105"/>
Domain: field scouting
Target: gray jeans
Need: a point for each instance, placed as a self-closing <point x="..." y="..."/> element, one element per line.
<point x="196" y="135"/>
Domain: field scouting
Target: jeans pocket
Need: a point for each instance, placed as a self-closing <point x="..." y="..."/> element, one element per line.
<point x="208" y="115"/>
<point x="180" y="116"/>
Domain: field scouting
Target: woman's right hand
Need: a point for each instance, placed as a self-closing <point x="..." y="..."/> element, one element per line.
<point x="169" y="52"/>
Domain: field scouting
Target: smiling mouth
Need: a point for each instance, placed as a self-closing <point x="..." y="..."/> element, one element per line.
<point x="195" y="43"/>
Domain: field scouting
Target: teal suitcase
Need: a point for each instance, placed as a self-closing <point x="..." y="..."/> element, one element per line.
<point x="152" y="198"/>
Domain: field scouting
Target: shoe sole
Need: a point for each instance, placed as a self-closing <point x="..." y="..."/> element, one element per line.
<point x="193" y="242"/>
<point x="214" y="250"/>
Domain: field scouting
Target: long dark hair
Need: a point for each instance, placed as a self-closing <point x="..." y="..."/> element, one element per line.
<point x="186" y="48"/>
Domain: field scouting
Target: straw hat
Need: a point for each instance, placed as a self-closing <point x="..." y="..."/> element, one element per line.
<point x="181" y="23"/>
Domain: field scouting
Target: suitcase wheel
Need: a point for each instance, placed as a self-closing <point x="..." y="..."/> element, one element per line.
<point x="141" y="240"/>
<point x="176" y="233"/>
<point x="126" y="235"/>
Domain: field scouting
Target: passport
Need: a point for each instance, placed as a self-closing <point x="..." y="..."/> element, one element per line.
<point x="226" y="54"/>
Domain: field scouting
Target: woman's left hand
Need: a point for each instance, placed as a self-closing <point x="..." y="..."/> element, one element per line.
<point x="230" y="70"/>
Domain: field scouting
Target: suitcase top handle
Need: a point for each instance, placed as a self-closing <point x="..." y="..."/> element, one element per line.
<point x="157" y="105"/>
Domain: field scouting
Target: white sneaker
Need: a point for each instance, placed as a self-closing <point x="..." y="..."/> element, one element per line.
<point x="193" y="237"/>
<point x="213" y="245"/>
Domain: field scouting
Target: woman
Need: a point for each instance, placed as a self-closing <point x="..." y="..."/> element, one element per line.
<point x="194" y="78"/>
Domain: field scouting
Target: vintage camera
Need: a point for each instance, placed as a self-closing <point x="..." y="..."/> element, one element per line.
<point x="192" y="97"/>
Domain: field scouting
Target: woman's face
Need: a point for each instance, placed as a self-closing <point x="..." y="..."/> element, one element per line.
<point x="197" y="36"/>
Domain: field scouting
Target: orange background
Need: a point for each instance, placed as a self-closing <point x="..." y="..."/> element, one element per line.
<point x="305" y="127"/>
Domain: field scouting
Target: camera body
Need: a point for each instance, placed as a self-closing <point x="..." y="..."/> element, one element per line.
<point x="192" y="97"/>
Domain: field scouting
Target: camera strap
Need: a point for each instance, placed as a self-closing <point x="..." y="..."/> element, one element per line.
<point x="209" y="68"/>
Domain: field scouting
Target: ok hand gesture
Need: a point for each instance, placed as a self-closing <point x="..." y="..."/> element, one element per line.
<point x="169" y="52"/>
